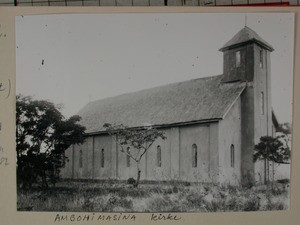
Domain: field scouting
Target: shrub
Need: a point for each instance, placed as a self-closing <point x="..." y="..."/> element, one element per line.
<point x="274" y="206"/>
<point x="131" y="180"/>
<point x="283" y="181"/>
<point x="251" y="204"/>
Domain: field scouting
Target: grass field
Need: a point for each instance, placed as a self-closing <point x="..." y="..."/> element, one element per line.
<point x="158" y="197"/>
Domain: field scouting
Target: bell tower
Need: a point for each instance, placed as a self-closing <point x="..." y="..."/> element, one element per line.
<point x="246" y="58"/>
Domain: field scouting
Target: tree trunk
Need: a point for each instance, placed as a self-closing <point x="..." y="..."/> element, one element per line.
<point x="265" y="171"/>
<point x="138" y="176"/>
<point x="44" y="180"/>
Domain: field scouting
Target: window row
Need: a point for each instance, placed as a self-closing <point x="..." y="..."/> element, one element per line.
<point x="158" y="156"/>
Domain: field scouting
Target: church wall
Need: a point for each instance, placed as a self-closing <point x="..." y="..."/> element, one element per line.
<point x="230" y="134"/>
<point x="174" y="152"/>
<point x="66" y="172"/>
<point x="199" y="135"/>
<point x="176" y="157"/>
<point x="125" y="172"/>
<point x="214" y="152"/>
<point x="102" y="147"/>
<point x="88" y="168"/>
<point x="231" y="71"/>
<point x="262" y="121"/>
<point x="163" y="172"/>
<point x="247" y="124"/>
<point x="78" y="170"/>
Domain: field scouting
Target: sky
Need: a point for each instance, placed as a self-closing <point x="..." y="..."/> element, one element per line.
<point x="72" y="59"/>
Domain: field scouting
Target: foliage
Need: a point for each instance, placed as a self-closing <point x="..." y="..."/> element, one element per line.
<point x="272" y="149"/>
<point x="285" y="128"/>
<point x="42" y="136"/>
<point x="131" y="180"/>
<point x="140" y="139"/>
<point x="202" y="197"/>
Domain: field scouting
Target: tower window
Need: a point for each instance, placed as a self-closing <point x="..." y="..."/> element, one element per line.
<point x="165" y="2"/>
<point x="262" y="103"/>
<point x="261" y="59"/>
<point x="158" y="157"/>
<point x="128" y="157"/>
<point x="102" y="157"/>
<point x="232" y="156"/>
<point x="194" y="155"/>
<point x="80" y="159"/>
<point x="237" y="59"/>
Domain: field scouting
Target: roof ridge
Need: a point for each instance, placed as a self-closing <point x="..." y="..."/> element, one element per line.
<point x="160" y="86"/>
<point x="199" y="99"/>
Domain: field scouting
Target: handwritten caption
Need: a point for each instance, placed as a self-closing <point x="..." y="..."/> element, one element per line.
<point x="114" y="217"/>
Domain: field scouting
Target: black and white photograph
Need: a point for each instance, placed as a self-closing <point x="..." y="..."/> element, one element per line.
<point x="154" y="112"/>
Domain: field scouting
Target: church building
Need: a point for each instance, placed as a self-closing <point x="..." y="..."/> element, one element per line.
<point x="211" y="124"/>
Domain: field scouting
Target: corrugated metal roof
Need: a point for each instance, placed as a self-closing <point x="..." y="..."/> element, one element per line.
<point x="246" y="35"/>
<point x="190" y="101"/>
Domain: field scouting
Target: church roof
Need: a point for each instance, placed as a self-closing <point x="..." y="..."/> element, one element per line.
<point x="194" y="101"/>
<point x="246" y="35"/>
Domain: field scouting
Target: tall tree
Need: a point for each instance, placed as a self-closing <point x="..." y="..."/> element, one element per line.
<point x="42" y="136"/>
<point x="273" y="149"/>
<point x="140" y="139"/>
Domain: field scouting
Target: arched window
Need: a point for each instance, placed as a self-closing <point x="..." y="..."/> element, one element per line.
<point x="237" y="59"/>
<point x="128" y="157"/>
<point x="261" y="59"/>
<point x="232" y="156"/>
<point x="80" y="159"/>
<point x="102" y="157"/>
<point x="158" y="156"/>
<point x="262" y="103"/>
<point x="194" y="155"/>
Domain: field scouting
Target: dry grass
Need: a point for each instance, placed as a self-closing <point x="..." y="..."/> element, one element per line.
<point x="176" y="197"/>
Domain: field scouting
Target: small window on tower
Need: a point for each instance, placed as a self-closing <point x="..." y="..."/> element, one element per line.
<point x="158" y="163"/>
<point x="194" y="155"/>
<point x="128" y="157"/>
<point x="102" y="157"/>
<point x="261" y="59"/>
<point x="80" y="159"/>
<point x="237" y="59"/>
<point x="262" y="103"/>
<point x="232" y="154"/>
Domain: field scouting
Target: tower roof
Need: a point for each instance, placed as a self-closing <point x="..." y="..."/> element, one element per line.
<point x="244" y="36"/>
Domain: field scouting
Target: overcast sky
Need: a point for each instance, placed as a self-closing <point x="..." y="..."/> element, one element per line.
<point x="76" y="58"/>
